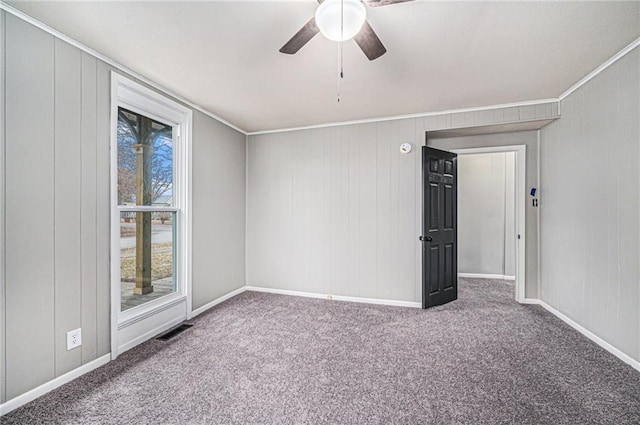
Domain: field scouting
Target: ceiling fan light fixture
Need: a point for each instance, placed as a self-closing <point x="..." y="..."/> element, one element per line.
<point x="328" y="18"/>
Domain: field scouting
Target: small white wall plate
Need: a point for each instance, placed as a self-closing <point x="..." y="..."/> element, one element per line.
<point x="405" y="148"/>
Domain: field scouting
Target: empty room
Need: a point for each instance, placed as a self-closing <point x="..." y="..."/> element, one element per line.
<point x="319" y="212"/>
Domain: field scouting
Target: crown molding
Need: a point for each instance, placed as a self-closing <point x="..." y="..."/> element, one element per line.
<point x="401" y="117"/>
<point x="19" y="14"/>
<point x="600" y="69"/>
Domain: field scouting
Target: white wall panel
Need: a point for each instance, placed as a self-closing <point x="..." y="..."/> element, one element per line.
<point x="67" y="157"/>
<point x="30" y="344"/>
<point x="384" y="252"/>
<point x="590" y="206"/>
<point x="218" y="210"/>
<point x="88" y="210"/>
<point x="2" y="207"/>
<point x="339" y="206"/>
<point x="408" y="225"/>
<point x="103" y="208"/>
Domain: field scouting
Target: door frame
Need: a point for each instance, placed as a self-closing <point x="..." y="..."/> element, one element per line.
<point x="158" y="315"/>
<point x="520" y="207"/>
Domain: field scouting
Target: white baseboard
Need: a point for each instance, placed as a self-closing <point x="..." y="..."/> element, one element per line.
<point x="215" y="302"/>
<point x="532" y="301"/>
<point x="486" y="276"/>
<point x="584" y="331"/>
<point x="25" y="398"/>
<point x="593" y="337"/>
<point x="396" y="303"/>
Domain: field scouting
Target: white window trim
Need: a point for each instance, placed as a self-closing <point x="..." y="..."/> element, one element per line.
<point x="137" y="98"/>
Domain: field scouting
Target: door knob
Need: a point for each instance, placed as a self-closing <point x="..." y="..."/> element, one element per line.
<point x="425" y="238"/>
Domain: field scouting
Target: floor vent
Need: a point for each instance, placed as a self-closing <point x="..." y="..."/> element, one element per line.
<point x="173" y="332"/>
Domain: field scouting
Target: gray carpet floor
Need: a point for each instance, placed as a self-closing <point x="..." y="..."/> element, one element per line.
<point x="271" y="359"/>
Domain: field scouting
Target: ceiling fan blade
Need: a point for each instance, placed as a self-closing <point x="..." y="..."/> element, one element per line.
<point x="376" y="3"/>
<point x="369" y="42"/>
<point x="302" y="37"/>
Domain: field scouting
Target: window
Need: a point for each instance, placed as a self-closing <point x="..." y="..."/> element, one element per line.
<point x="147" y="236"/>
<point x="150" y="221"/>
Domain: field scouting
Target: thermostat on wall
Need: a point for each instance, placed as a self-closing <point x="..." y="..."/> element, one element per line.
<point x="405" y="147"/>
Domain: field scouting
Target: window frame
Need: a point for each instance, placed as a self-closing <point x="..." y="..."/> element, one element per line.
<point x="139" y="99"/>
<point x="177" y="162"/>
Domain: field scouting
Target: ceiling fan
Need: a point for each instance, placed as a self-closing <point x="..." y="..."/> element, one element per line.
<point x="341" y="20"/>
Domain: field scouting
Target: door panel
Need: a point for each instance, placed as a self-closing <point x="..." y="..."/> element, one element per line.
<point x="434" y="206"/>
<point x="433" y="165"/>
<point x="434" y="260"/>
<point x="449" y="222"/>
<point x="448" y="266"/>
<point x="439" y="221"/>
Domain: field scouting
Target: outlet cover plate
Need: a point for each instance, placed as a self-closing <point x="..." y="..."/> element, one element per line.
<point x="74" y="339"/>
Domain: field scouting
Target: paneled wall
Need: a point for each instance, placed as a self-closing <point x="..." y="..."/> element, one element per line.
<point x="219" y="182"/>
<point x="55" y="275"/>
<point x="590" y="209"/>
<point x="486" y="213"/>
<point x="29" y="215"/>
<point x="336" y="210"/>
<point x="56" y="136"/>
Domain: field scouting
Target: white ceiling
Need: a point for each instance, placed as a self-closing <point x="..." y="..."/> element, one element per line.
<point x="224" y="56"/>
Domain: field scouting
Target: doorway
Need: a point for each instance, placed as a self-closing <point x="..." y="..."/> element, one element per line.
<point x="499" y="250"/>
<point x="486" y="219"/>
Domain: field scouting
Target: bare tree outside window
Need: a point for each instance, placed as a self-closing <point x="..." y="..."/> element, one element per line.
<point x="130" y="133"/>
<point x="145" y="179"/>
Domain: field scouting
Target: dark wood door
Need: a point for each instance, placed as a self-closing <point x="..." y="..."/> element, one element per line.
<point x="439" y="222"/>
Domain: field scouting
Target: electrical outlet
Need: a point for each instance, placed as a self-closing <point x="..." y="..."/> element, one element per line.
<point x="74" y="339"/>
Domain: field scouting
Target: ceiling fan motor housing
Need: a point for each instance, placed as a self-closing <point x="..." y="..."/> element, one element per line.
<point x="340" y="20"/>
